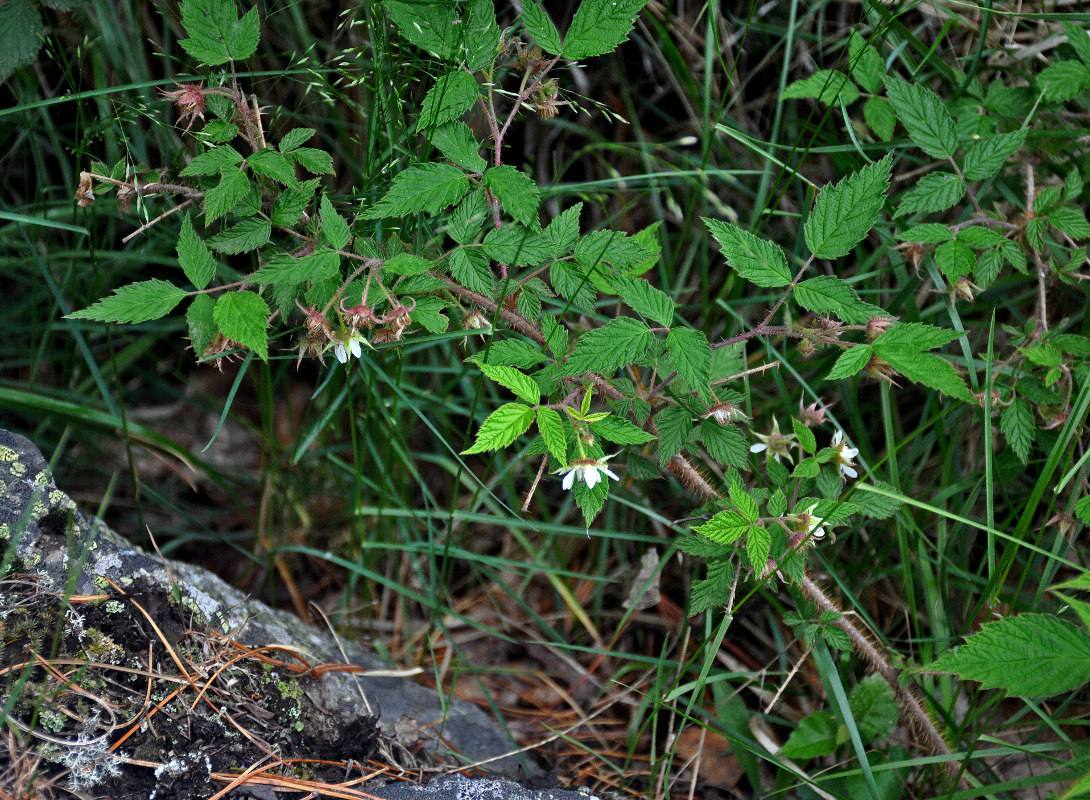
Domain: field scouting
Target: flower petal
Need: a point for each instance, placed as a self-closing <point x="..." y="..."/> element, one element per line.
<point x="569" y="478"/>
<point x="340" y="352"/>
<point x="760" y="447"/>
<point x="591" y="476"/>
<point x="848" y="471"/>
<point x="355" y="347"/>
<point x="610" y="473"/>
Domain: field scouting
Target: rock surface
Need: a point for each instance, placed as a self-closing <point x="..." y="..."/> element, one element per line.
<point x="106" y="601"/>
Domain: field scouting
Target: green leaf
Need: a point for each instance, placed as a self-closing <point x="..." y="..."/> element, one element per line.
<point x="289" y="205"/>
<point x="540" y="27"/>
<point x="451" y="96"/>
<point x="743" y="503"/>
<point x="194" y="257"/>
<point x="243" y="317"/>
<point x="202" y="325"/>
<point x="516" y="353"/>
<point x="864" y="63"/>
<point x="216" y="34"/>
<point x="827" y="86"/>
<point x="599" y="27"/>
<point x="466" y="221"/>
<point x="469" y="266"/>
<point x="563" y="231"/>
<point x="334" y="228"/>
<point x="954" y="260"/>
<point x="851" y="361"/>
<point x="427" y="314"/>
<point x="137" y="302"/>
<point x="317" y="162"/>
<point x="620" y="431"/>
<point x="807" y="440"/>
<point x="232" y="188"/>
<point x="516" y="245"/>
<point x="556" y="336"/>
<point x="916" y="336"/>
<point x="879" y="116"/>
<point x="521" y="385"/>
<point x="609" y="247"/>
<point x="759" y="261"/>
<point x="456" y="141"/>
<point x="646" y="300"/>
<point x="925" y="368"/>
<point x="20" y="36"/>
<point x="874" y="708"/>
<point x="1016" y="422"/>
<point x="503" y="426"/>
<point x="921" y="111"/>
<point x="247" y="235"/>
<point x="931" y="194"/>
<point x="1071" y="220"/>
<point x="978" y="237"/>
<point x="574" y="285"/>
<point x="1063" y="80"/>
<point x="758" y="545"/>
<point x="815" y="736"/>
<point x="879" y="506"/>
<point x="294" y="138"/>
<point x="606" y="349"/>
<point x="424" y="187"/>
<point x="1079" y="39"/>
<point x="726" y="444"/>
<point x="218" y="131"/>
<point x="406" y="264"/>
<point x="715" y="590"/>
<point x="551" y="428"/>
<point x="725" y="527"/>
<point x="674" y="426"/>
<point x="283" y="270"/>
<point x="212" y="162"/>
<point x="273" y="165"/>
<point x="1030" y="655"/>
<point x="689" y="352"/>
<point x="845" y="213"/>
<point x="825" y="294"/>
<point x="927" y="233"/>
<point x="466" y="31"/>
<point x="984" y="157"/>
<point x="517" y="193"/>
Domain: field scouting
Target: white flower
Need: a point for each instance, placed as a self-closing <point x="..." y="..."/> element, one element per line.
<point x="588" y="470"/>
<point x="777" y="444"/>
<point x="348" y="347"/>
<point x="845" y="455"/>
<point x="815" y="526"/>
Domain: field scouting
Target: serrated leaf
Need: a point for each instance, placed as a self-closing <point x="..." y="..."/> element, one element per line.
<point x="954" y="260"/>
<point x="1079" y="39"/>
<point x="425" y="187"/>
<point x="563" y="231"/>
<point x="921" y="111"/>
<point x="194" y="257"/>
<point x="452" y="95"/>
<point x="874" y="707"/>
<point x="608" y="247"/>
<point x="406" y="264"/>
<point x="725" y="527"/>
<point x="977" y="236"/>
<point x="20" y="36"/>
<point x="212" y="162"/>
<point x="522" y="386"/>
<point x="573" y="285"/>
<point x="294" y="138"/>
<point x="864" y="63"/>
<point x="138" y="302"/>
<point x="427" y="314"/>
<point x="606" y="349"/>
<point x="815" y="736"/>
<point x="516" y="245"/>
<point x="807" y="440"/>
<point x="216" y="34"/>
<point x="879" y="116"/>
<point x="231" y="190"/>
<point x="515" y="353"/>
<point x="272" y="164"/>
<point x="466" y="221"/>
<point x="283" y="270"/>
<point x="503" y="426"/>
<point x="915" y="335"/>
<point x="247" y="235"/>
<point x="317" y="162"/>
<point x="827" y="86"/>
<point x="758" y="545"/>
<point x="674" y="426"/>
<point x="759" y="261"/>
<point x="289" y="206"/>
<point x="715" y="590"/>
<point x="646" y="300"/>
<point x="218" y="131"/>
<point x="469" y="266"/>
<point x="845" y="213"/>
<point x="334" y="228"/>
<point x="551" y="428"/>
<point x="599" y="27"/>
<point x="620" y="431"/>
<point x="456" y="141"/>
<point x="517" y="193"/>
<point x="927" y="369"/>
<point x="1063" y="80"/>
<point x="243" y="317"/>
<point x="931" y="194"/>
<point x="1030" y="655"/>
<point x="1071" y="220"/>
<point x="466" y="32"/>
<point x="1016" y="422"/>
<point x="927" y="233"/>
<point x="689" y="353"/>
<point x="540" y="27"/>
<point x="826" y="294"/>
<point x="726" y="444"/>
<point x="984" y="157"/>
<point x="201" y="324"/>
<point x="851" y="361"/>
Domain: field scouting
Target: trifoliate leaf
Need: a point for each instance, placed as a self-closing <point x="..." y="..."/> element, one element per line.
<point x="689" y="353"/>
<point x="451" y="96"/>
<point x="216" y="34"/>
<point x="456" y="141"/>
<point x="540" y="27"/>
<point x="517" y="193"/>
<point x="425" y="187"/>
<point x="283" y="270"/>
<point x="606" y="349"/>
<point x="522" y="386"/>
<point x="289" y="207"/>
<point x="758" y="260"/>
<point x="551" y="428"/>
<point x="515" y="353"/>
<point x="194" y="257"/>
<point x="273" y="165"/>
<point x="826" y="294"/>
<point x="137" y="302"/>
<point x="921" y="111"/>
<point x="1029" y="655"/>
<point x="977" y="237"/>
<point x="294" y="138"/>
<point x="466" y="221"/>
<point x="827" y="86"/>
<point x="984" y="157"/>
<point x="463" y="32"/>
<point x="915" y="335"/>
<point x="427" y="314"/>
<point x="931" y="194"/>
<point x="503" y="426"/>
<point x="243" y="317"/>
<point x="927" y="233"/>
<point x="1071" y="220"/>
<point x="556" y="336"/>
<point x="725" y="527"/>
<point x="247" y="235"/>
<point x="845" y="213"/>
<point x="599" y="27"/>
<point x="927" y="369"/>
<point x="874" y="707"/>
<point x="815" y="736"/>
<point x="212" y="162"/>
<point x="1016" y="422"/>
<point x="954" y="260"/>
<point x="573" y="285"/>
<point x="620" y="431"/>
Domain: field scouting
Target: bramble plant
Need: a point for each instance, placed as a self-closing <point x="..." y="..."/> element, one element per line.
<point x="642" y="393"/>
